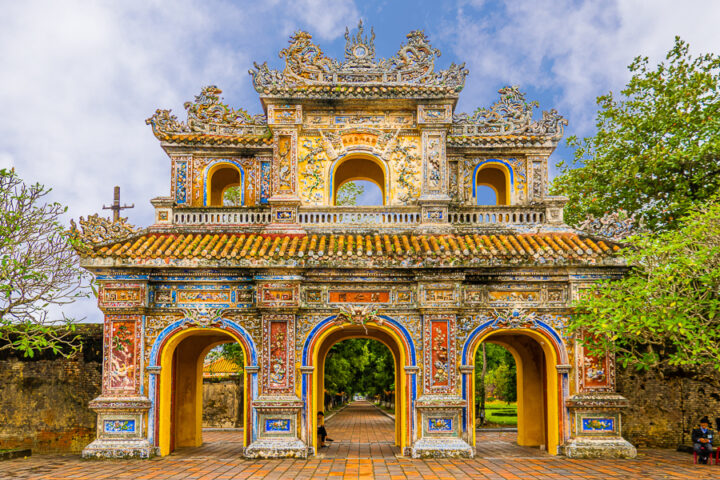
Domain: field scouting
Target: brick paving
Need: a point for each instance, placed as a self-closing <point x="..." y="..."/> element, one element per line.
<point x="362" y="449"/>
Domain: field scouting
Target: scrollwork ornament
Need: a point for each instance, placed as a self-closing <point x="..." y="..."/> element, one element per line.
<point x="202" y="317"/>
<point x="97" y="230"/>
<point x="616" y="226"/>
<point x="511" y="115"/>
<point x="358" y="315"/>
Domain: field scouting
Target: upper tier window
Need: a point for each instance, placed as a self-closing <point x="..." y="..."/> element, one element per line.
<point x="492" y="186"/>
<point x="224" y="186"/>
<point x="363" y="170"/>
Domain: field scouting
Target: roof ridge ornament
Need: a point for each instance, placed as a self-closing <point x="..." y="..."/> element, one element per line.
<point x="306" y="65"/>
<point x="359" y="49"/>
<point x="208" y="115"/>
<point x="511" y="115"/>
<point x="97" y="230"/>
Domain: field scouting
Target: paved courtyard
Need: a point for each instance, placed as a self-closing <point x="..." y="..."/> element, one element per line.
<point x="362" y="448"/>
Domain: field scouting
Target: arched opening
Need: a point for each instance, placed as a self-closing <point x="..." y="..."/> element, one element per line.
<point x="224" y="185"/>
<point x="180" y="411"/>
<point x="319" y="348"/>
<point x="495" y="387"/>
<point x="538" y="408"/>
<point x="358" y="167"/>
<point x="492" y="178"/>
<point x="359" y="376"/>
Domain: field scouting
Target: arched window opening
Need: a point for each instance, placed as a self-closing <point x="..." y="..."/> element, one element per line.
<point x="493" y="178"/>
<point x="356" y="169"/>
<point x="224" y="186"/>
<point x="359" y="192"/>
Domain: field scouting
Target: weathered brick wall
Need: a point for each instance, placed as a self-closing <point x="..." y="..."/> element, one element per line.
<point x="663" y="412"/>
<point x="223" y="403"/>
<point x="43" y="400"/>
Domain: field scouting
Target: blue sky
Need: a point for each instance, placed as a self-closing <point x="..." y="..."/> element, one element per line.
<point x="78" y="78"/>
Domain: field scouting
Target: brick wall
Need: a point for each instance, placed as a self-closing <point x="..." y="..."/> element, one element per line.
<point x="43" y="400"/>
<point x="663" y="411"/>
<point x="223" y="403"/>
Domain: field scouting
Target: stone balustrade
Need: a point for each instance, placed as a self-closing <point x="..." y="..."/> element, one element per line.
<point x="354" y="216"/>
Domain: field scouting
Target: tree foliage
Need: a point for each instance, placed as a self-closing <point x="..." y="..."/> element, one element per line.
<point x="232" y="197"/>
<point x="501" y="373"/>
<point x="359" y="365"/>
<point x="39" y="271"/>
<point x="348" y="193"/>
<point x="656" y="152"/>
<point x="666" y="313"/>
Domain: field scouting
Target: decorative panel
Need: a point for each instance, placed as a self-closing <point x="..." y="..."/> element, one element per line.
<point x="265" y="181"/>
<point x="180" y="181"/>
<point x="359" y="296"/>
<point x="278" y="337"/>
<point x="121" y="360"/>
<point x="596" y="373"/>
<point x="434" y="164"/>
<point x="121" y="295"/>
<point x="285" y="164"/>
<point x="278" y="294"/>
<point x="439" y="347"/>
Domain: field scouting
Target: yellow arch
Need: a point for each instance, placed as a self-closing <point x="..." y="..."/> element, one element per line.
<point x="165" y="408"/>
<point x="214" y="196"/>
<point x="502" y="198"/>
<point x="335" y="185"/>
<point x="401" y="400"/>
<point x="526" y="412"/>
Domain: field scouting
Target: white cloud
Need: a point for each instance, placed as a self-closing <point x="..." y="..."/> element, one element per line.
<point x="580" y="49"/>
<point x="79" y="78"/>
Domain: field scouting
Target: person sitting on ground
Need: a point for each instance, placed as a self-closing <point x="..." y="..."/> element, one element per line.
<point x="702" y="439"/>
<point x="321" y="432"/>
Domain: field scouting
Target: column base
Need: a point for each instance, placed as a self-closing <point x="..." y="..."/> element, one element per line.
<point x="442" y="448"/>
<point x="117" y="448"/>
<point x="599" y="448"/>
<point x="277" y="448"/>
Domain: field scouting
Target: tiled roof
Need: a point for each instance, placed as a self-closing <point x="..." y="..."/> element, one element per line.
<point x="263" y="247"/>
<point x="222" y="367"/>
<point x="361" y="91"/>
<point x="497" y="140"/>
<point x="209" y="139"/>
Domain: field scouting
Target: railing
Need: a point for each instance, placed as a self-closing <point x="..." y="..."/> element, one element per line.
<point x="375" y="216"/>
<point x="221" y="216"/>
<point x="489" y="215"/>
<point x="380" y="216"/>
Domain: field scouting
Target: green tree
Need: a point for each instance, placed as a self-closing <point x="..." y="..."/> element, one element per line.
<point x="39" y="271"/>
<point x="665" y="315"/>
<point x="656" y="152"/>
<point x="348" y="193"/>
<point x="232" y="197"/>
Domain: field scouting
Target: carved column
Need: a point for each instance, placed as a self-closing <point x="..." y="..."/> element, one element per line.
<point x="595" y="411"/>
<point x="284" y="120"/>
<point x="278" y="407"/>
<point x="434" y="121"/>
<point x="440" y="408"/>
<point x="121" y="408"/>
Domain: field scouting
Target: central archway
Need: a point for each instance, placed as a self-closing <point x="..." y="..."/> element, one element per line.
<point x="358" y="166"/>
<point x="386" y="331"/>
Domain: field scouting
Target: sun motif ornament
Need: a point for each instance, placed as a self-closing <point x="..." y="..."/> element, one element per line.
<point x="358" y="315"/>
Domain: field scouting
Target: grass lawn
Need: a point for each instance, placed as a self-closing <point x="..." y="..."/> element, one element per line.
<point x="500" y="414"/>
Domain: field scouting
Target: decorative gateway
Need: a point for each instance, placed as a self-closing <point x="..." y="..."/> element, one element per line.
<point x="250" y="248"/>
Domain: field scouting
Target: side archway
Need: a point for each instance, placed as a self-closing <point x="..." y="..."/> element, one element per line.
<point x="218" y="177"/>
<point x="538" y="350"/>
<point x="175" y="386"/>
<point x="389" y="332"/>
<point x="496" y="175"/>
